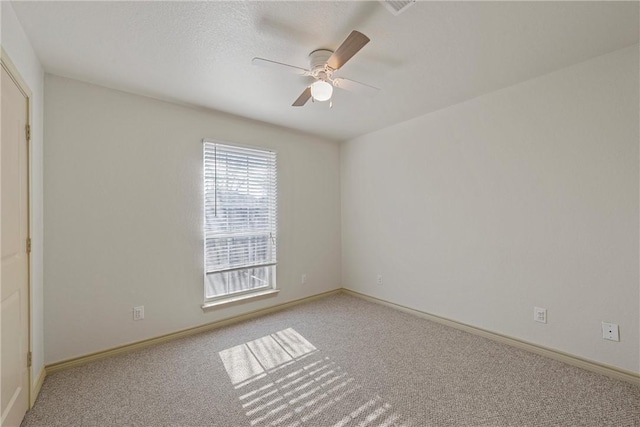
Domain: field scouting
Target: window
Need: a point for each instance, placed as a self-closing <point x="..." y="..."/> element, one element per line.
<point x="240" y="220"/>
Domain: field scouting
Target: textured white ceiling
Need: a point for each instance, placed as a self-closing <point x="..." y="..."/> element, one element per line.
<point x="434" y="55"/>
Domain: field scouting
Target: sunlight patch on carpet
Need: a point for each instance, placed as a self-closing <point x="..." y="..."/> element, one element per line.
<point x="286" y="381"/>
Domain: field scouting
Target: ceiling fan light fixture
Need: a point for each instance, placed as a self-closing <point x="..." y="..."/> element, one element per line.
<point x="321" y="90"/>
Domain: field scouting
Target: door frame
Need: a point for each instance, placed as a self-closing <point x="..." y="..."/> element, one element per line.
<point x="12" y="70"/>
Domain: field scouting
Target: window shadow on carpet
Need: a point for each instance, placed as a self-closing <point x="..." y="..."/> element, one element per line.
<point x="283" y="380"/>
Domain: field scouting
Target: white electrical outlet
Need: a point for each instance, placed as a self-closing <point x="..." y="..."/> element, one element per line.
<point x="540" y="314"/>
<point x="138" y="312"/>
<point x="379" y="280"/>
<point x="303" y="279"/>
<point x="610" y="331"/>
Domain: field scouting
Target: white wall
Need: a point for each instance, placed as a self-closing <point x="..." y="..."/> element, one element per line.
<point x="123" y="218"/>
<point x="17" y="46"/>
<point x="524" y="197"/>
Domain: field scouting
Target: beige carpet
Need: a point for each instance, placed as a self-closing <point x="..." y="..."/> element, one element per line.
<point x="337" y="361"/>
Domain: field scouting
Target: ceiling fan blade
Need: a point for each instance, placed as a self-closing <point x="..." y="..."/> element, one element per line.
<point x="347" y="49"/>
<point x="354" y="86"/>
<point x="267" y="63"/>
<point x="303" y="98"/>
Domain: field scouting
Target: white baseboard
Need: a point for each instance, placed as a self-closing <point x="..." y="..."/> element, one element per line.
<point x="35" y="388"/>
<point x="569" y="359"/>
<point x="82" y="360"/>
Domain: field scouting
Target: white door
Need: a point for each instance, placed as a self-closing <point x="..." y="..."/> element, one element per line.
<point x="14" y="228"/>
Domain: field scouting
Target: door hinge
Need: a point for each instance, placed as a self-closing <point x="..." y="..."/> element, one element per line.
<point x="28" y="245"/>
<point x="28" y="127"/>
<point x="29" y="360"/>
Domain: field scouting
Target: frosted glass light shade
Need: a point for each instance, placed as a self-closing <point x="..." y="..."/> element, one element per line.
<point x="321" y="90"/>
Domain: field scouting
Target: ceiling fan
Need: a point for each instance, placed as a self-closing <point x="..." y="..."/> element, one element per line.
<point x="323" y="63"/>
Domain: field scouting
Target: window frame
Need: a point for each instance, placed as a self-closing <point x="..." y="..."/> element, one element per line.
<point x="246" y="294"/>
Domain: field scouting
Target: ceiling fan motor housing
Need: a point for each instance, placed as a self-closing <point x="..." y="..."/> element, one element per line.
<point x="317" y="61"/>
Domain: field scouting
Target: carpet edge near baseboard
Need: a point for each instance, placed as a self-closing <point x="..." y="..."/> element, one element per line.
<point x="35" y="388"/>
<point x="149" y="342"/>
<point x="569" y="359"/>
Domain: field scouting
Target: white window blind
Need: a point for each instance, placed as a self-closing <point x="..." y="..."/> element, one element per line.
<point x="240" y="218"/>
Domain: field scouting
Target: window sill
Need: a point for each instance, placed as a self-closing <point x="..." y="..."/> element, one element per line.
<point x="237" y="299"/>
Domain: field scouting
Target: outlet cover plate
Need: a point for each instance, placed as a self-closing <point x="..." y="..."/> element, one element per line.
<point x="138" y="312"/>
<point x="540" y="314"/>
